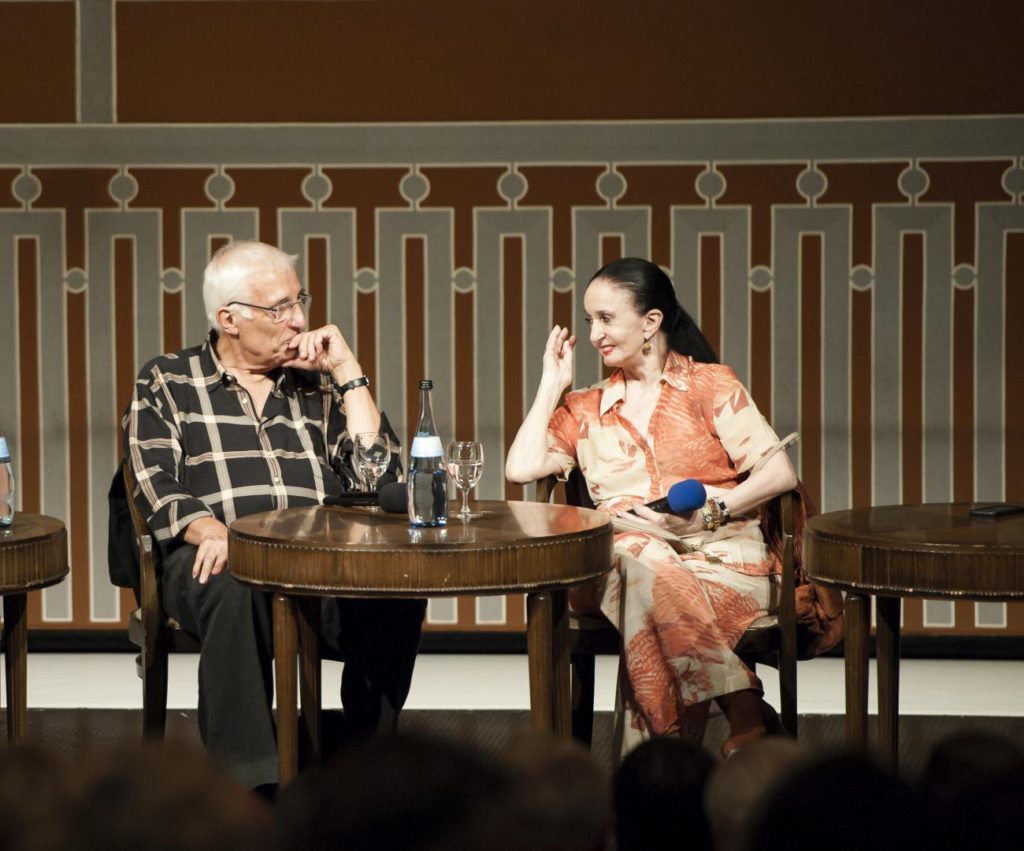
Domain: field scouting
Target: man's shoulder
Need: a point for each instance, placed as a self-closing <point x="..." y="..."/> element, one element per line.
<point x="170" y="363"/>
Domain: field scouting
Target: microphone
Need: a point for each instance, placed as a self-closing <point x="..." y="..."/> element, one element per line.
<point x="394" y="498"/>
<point x="683" y="497"/>
<point x="391" y="496"/>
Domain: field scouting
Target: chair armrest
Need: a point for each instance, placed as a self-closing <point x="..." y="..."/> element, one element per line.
<point x="787" y="599"/>
<point x="546" y="488"/>
<point x="152" y="612"/>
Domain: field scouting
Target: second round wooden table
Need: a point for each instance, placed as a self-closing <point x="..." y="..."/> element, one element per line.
<point x="301" y="554"/>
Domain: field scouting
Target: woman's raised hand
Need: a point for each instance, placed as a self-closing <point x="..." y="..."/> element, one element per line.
<point x="558" y="359"/>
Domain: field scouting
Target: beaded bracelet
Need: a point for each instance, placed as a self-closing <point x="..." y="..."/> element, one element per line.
<point x="711" y="514"/>
<point x="723" y="511"/>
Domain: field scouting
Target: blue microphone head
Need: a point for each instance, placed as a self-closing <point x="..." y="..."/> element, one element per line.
<point x="686" y="496"/>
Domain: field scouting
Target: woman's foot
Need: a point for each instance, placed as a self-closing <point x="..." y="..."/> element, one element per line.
<point x="750" y="718"/>
<point x="734" y="744"/>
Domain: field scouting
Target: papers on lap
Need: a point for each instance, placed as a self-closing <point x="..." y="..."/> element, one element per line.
<point x="632" y="523"/>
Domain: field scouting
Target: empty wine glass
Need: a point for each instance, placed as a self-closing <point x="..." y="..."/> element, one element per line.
<point x="371" y="456"/>
<point x="465" y="463"/>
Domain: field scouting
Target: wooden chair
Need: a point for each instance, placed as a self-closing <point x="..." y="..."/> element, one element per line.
<point x="770" y="640"/>
<point x="155" y="632"/>
<point x="149" y="627"/>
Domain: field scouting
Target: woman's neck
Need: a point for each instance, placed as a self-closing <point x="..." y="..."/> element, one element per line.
<point x="648" y="369"/>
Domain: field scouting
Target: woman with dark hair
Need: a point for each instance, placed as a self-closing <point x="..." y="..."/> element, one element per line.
<point x="686" y="587"/>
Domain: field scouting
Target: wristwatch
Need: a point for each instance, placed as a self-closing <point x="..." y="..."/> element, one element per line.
<point x="723" y="511"/>
<point x="711" y="515"/>
<point x="362" y="381"/>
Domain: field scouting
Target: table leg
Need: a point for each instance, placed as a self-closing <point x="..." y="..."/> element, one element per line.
<point x="547" y="642"/>
<point x="309" y="676"/>
<point x="857" y="618"/>
<point x="285" y="650"/>
<point x="15" y="663"/>
<point x="887" y="653"/>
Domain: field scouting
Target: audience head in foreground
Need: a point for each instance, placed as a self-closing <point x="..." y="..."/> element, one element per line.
<point x="658" y="793"/>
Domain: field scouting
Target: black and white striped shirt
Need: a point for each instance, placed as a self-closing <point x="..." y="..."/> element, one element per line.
<point x="199" y="449"/>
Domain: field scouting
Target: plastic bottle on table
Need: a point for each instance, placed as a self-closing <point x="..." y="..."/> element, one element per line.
<point x="6" y="485"/>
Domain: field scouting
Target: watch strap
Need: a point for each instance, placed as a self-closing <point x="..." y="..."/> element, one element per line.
<point x="362" y="381"/>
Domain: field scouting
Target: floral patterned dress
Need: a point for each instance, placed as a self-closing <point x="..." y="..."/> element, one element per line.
<point x="681" y="608"/>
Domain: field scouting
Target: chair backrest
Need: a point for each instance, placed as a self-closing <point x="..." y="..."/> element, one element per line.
<point x="122" y="547"/>
<point x="574" y="488"/>
<point x="149" y="588"/>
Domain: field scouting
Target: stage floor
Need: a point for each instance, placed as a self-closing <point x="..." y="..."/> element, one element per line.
<point x="928" y="687"/>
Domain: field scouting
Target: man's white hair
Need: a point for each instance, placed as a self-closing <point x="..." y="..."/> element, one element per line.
<point x="230" y="274"/>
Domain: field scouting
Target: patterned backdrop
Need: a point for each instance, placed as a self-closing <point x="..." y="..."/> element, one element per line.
<point x="865" y="277"/>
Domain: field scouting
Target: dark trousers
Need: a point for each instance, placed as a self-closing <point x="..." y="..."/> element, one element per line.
<point x="377" y="639"/>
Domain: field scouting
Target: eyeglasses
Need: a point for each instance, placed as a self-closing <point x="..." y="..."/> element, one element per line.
<point x="279" y="312"/>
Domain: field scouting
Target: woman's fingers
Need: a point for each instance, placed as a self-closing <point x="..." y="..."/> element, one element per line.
<point x="656" y="518"/>
<point x="556" y="339"/>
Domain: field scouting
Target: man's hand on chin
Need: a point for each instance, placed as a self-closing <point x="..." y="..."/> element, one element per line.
<point x="321" y="350"/>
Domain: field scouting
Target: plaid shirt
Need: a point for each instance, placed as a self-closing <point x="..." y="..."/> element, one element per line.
<point x="198" y="448"/>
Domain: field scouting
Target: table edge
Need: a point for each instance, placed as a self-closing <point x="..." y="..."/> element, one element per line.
<point x="924" y="547"/>
<point x="917" y="591"/>
<point x="35" y="585"/>
<point x="440" y="591"/>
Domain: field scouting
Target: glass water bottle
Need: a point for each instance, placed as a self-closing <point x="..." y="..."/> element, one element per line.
<point x="427" y="481"/>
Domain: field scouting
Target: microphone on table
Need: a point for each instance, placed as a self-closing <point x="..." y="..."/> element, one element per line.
<point x="390" y="496"/>
<point x="394" y="498"/>
<point x="683" y="497"/>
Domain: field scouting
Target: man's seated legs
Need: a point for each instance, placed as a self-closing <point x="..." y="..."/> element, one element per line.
<point x="233" y="624"/>
<point x="378" y="639"/>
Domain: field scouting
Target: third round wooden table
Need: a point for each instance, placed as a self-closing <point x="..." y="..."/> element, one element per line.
<point x="937" y="551"/>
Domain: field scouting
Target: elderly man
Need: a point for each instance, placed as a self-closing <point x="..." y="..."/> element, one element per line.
<point x="258" y="417"/>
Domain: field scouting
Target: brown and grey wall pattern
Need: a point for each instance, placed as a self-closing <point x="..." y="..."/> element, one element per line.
<point x="865" y="277"/>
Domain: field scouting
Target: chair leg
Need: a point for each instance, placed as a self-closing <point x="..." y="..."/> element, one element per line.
<point x="619" y="713"/>
<point x="308" y="621"/>
<point x="787" y="687"/>
<point x="154" y="689"/>
<point x="582" y="689"/>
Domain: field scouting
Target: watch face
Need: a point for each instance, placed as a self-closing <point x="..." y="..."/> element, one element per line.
<point x="708" y="515"/>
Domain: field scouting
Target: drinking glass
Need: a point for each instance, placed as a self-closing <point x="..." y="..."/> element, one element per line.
<point x="465" y="463"/>
<point x="371" y="456"/>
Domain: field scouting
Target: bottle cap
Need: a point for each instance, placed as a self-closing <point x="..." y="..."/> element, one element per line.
<point x="5" y="453"/>
<point x="426" y="384"/>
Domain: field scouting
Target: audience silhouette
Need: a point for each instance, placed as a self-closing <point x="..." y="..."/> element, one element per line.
<point x="658" y="792"/>
<point x="407" y="792"/>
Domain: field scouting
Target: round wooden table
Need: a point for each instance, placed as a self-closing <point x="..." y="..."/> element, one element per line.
<point x="33" y="554"/>
<point x="301" y="554"/>
<point x="936" y="551"/>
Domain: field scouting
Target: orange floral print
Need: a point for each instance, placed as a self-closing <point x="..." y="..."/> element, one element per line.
<point x="680" y="613"/>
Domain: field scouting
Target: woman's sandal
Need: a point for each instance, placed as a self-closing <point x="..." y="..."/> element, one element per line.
<point x="772" y="726"/>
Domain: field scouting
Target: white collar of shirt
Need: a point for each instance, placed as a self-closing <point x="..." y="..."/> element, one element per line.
<point x="676" y="374"/>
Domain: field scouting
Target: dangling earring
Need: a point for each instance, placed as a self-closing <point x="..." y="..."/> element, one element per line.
<point x="646" y="347"/>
